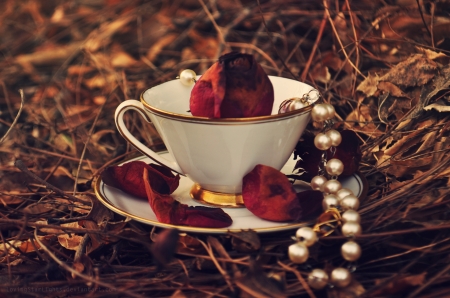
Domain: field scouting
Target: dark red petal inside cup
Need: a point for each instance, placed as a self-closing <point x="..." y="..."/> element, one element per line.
<point x="170" y="211"/>
<point x="268" y="194"/>
<point x="128" y="178"/>
<point x="348" y="152"/>
<point x="235" y="86"/>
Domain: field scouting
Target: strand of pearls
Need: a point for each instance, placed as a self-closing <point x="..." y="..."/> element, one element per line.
<point x="339" y="204"/>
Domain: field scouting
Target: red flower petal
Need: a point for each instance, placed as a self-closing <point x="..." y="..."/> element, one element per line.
<point x="170" y="211"/>
<point x="200" y="216"/>
<point x="128" y="178"/>
<point x="268" y="194"/>
<point x="235" y="86"/>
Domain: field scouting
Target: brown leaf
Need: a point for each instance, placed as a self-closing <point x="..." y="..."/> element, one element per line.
<point x="76" y="70"/>
<point x="415" y="71"/>
<point x="257" y="284"/>
<point x="49" y="54"/>
<point x="354" y="289"/>
<point x="70" y="241"/>
<point x="391" y="89"/>
<point x="10" y="198"/>
<point x="164" y="246"/>
<point x="122" y="59"/>
<point x="434" y="55"/>
<point x="400" y="284"/>
<point x="320" y="73"/>
<point x="16" y="247"/>
<point x="245" y="241"/>
<point x="38" y="208"/>
<point x="102" y="36"/>
<point x="369" y="85"/>
<point x="189" y="244"/>
<point x="159" y="45"/>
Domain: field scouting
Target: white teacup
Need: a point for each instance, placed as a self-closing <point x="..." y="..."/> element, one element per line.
<point x="217" y="153"/>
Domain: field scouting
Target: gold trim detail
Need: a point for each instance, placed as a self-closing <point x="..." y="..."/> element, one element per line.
<point x="188" y="118"/>
<point x="216" y="199"/>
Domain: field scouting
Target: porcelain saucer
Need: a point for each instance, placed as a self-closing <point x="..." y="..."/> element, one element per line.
<point x="139" y="209"/>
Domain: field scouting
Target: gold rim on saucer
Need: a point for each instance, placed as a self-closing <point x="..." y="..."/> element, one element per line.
<point x="216" y="199"/>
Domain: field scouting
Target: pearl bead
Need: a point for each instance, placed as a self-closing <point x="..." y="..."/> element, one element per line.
<point x="351" y="216"/>
<point x="350" y="202"/>
<point x="296" y="104"/>
<point x="334" y="167"/>
<point x="187" y="77"/>
<point x="317" y="279"/>
<point x="351" y="228"/>
<point x="331" y="186"/>
<point x="351" y="251"/>
<point x="329" y="201"/>
<point x="307" y="236"/>
<point x="298" y="253"/>
<point x="341" y="277"/>
<point x="317" y="182"/>
<point x="335" y="137"/>
<point x="343" y="192"/>
<point x="319" y="112"/>
<point x="322" y="141"/>
<point x="330" y="111"/>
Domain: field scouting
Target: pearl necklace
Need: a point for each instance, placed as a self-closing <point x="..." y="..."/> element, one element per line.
<point x="336" y="199"/>
<point x="340" y="203"/>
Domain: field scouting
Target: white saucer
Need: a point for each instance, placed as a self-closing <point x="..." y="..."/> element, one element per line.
<point x="139" y="209"/>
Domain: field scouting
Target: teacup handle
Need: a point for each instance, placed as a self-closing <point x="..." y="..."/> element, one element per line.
<point x="123" y="130"/>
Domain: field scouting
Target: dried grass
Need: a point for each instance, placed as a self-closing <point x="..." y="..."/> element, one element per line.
<point x="383" y="65"/>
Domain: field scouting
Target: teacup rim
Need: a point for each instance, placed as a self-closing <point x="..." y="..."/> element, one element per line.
<point x="190" y="118"/>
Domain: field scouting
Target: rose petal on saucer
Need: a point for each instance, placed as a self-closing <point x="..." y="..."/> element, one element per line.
<point x="128" y="178"/>
<point x="348" y="152"/>
<point x="170" y="211"/>
<point x="200" y="216"/>
<point x="268" y="194"/>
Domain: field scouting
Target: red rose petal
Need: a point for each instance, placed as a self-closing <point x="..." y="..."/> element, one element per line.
<point x="170" y="211"/>
<point x="268" y="194"/>
<point x="235" y="86"/>
<point x="200" y="216"/>
<point x="128" y="178"/>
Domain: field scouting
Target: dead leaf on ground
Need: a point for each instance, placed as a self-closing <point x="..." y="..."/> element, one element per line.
<point x="417" y="70"/>
<point x="70" y="241"/>
<point x="257" y="284"/>
<point x="103" y="34"/>
<point x="400" y="284"/>
<point x="245" y="241"/>
<point x="354" y="289"/>
<point x="16" y="247"/>
<point x="370" y="85"/>
<point x="189" y="244"/>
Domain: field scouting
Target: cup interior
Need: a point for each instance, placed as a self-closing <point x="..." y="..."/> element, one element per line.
<point x="173" y="97"/>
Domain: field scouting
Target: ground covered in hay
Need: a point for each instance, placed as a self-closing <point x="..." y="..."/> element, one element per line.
<point x="66" y="65"/>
